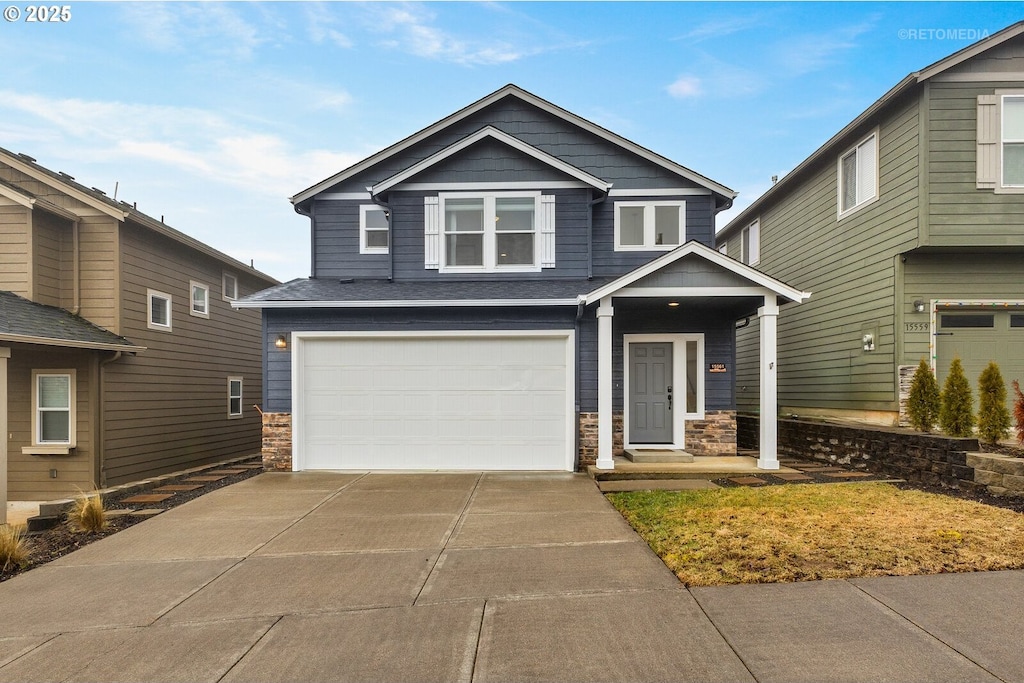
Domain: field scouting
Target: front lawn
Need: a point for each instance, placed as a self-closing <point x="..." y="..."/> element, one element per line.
<point x="829" y="531"/>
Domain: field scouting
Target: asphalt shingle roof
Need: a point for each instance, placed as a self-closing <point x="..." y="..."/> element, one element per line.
<point x="24" y="320"/>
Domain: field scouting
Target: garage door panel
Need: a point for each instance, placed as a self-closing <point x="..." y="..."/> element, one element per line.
<point x="474" y="402"/>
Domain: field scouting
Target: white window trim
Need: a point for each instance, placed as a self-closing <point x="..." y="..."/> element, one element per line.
<point x="649" y="227"/>
<point x="40" y="447"/>
<point x="192" y="285"/>
<point x="751" y="234"/>
<point x="150" y="295"/>
<point x="241" y="394"/>
<point x="840" y="213"/>
<point x="489" y="240"/>
<point x="224" y="286"/>
<point x="679" y="417"/>
<point x="1002" y="141"/>
<point x="363" y="247"/>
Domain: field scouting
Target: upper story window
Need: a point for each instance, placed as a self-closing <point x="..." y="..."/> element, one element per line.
<point x="750" y="244"/>
<point x="159" y="310"/>
<point x="1012" y="140"/>
<point x="53" y="399"/>
<point x="229" y="287"/>
<point x="199" y="305"/>
<point x="373" y="229"/>
<point x="489" y="232"/>
<point x="858" y="175"/>
<point x="649" y="226"/>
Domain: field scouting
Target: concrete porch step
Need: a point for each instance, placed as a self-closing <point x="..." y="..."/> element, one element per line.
<point x="702" y="467"/>
<point x="657" y="455"/>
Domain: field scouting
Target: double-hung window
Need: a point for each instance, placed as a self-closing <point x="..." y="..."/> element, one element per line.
<point x="53" y="398"/>
<point x="649" y="226"/>
<point x="373" y="230"/>
<point x="489" y="232"/>
<point x="858" y="174"/>
<point x="159" y="310"/>
<point x="750" y="244"/>
<point x="234" y="396"/>
<point x="1012" y="141"/>
<point x="200" y="300"/>
<point x="229" y="287"/>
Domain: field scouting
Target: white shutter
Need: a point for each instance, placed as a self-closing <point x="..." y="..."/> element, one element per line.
<point x="547" y="231"/>
<point x="431" y="233"/>
<point x="988" y="142"/>
<point x="867" y="169"/>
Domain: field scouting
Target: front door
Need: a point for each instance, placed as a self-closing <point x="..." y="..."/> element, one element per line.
<point x="650" y="392"/>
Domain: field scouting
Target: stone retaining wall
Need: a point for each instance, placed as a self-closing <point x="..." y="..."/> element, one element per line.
<point x="277" y="441"/>
<point x="1001" y="475"/>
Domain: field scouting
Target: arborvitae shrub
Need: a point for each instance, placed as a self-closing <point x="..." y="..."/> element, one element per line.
<point x="1018" y="411"/>
<point x="924" y="402"/>
<point x="993" y="417"/>
<point x="956" y="417"/>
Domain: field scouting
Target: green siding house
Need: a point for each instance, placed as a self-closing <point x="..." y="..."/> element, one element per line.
<point x="908" y="226"/>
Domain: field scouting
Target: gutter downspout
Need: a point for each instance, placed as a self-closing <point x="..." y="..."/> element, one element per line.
<point x="388" y="213"/>
<point x="590" y="233"/>
<point x="101" y="464"/>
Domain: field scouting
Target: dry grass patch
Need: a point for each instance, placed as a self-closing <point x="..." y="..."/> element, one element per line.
<point x="14" y="547"/>
<point x="88" y="513"/>
<point x="800" y="533"/>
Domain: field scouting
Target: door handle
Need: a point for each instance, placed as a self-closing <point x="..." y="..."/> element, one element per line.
<point x="670" y="398"/>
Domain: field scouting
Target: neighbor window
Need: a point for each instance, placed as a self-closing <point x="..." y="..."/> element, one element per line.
<point x="53" y="398"/>
<point x="200" y="300"/>
<point x="234" y="396"/>
<point x="750" y="244"/>
<point x="649" y="226"/>
<point x="229" y="287"/>
<point x="1013" y="141"/>
<point x="858" y="174"/>
<point x="159" y="306"/>
<point x="373" y="230"/>
<point x="489" y="232"/>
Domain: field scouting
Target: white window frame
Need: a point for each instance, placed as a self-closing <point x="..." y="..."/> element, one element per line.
<point x="224" y="280"/>
<point x="192" y="287"/>
<point x="365" y="248"/>
<point x="750" y="243"/>
<point x="649" y="225"/>
<point x="1003" y="140"/>
<point x="490" y="264"/>
<point x="863" y="197"/>
<point x="158" y="325"/>
<point x="57" y="447"/>
<point x="232" y="397"/>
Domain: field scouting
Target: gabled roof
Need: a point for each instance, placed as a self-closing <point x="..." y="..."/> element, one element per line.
<point x="515" y="91"/>
<point x="912" y="80"/>
<point x="98" y="200"/>
<point x="501" y="136"/>
<point x="755" y="277"/>
<point x="25" y="321"/>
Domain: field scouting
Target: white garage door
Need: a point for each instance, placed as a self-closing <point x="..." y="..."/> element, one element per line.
<point x="473" y="401"/>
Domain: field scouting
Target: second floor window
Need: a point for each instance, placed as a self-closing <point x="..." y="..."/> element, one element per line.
<point x="373" y="230"/>
<point x="649" y="226"/>
<point x="159" y="310"/>
<point x="489" y="232"/>
<point x="1013" y="141"/>
<point x="200" y="303"/>
<point x="858" y="174"/>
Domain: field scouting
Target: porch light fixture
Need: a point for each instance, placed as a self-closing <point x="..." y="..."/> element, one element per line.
<point x="281" y="342"/>
<point x="673" y="304"/>
<point x="918" y="305"/>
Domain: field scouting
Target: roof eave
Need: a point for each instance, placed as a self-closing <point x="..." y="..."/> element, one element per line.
<point x="406" y="303"/>
<point x="69" y="343"/>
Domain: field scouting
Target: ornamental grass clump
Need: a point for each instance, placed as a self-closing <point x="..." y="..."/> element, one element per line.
<point x="993" y="417"/>
<point x="925" y="399"/>
<point x="88" y="513"/>
<point x="956" y="416"/>
<point x="14" y="547"/>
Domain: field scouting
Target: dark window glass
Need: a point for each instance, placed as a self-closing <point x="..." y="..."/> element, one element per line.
<point x="967" y="320"/>
<point x="1016" y="320"/>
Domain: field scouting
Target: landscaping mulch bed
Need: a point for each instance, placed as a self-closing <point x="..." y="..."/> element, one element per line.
<point x="48" y="545"/>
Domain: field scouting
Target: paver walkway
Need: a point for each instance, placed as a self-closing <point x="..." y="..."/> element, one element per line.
<point x="458" y="577"/>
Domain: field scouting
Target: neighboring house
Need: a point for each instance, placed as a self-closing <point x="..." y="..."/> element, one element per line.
<point x="909" y="227"/>
<point x="120" y="353"/>
<point x="475" y="288"/>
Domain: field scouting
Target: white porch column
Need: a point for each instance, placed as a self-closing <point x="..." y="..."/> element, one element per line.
<point x="604" y="385"/>
<point x="768" y="442"/>
<point x="5" y="353"/>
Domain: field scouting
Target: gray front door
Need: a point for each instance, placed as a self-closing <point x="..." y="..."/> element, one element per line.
<point x="650" y="392"/>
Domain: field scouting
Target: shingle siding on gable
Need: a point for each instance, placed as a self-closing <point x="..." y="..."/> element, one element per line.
<point x="489" y="161"/>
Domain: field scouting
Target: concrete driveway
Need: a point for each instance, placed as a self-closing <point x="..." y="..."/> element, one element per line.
<point x="483" y="577"/>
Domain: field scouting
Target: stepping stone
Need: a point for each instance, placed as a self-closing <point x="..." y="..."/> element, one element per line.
<point x="206" y="479"/>
<point x="792" y="476"/>
<point x="119" y="513"/>
<point x="173" y="488"/>
<point x="747" y="481"/>
<point x="655" y="485"/>
<point x="149" y="512"/>
<point x="847" y="475"/>
<point x="819" y="469"/>
<point x="225" y="472"/>
<point x="148" y="498"/>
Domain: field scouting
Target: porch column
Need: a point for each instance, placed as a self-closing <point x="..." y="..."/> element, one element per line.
<point x="5" y="353"/>
<point x="768" y="442"/>
<point x="604" y="385"/>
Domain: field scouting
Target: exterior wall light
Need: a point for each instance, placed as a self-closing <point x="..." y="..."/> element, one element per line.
<point x="919" y="306"/>
<point x="673" y="304"/>
<point x="869" y="342"/>
<point x="281" y="342"/>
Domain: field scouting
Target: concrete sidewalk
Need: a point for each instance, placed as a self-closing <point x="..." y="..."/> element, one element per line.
<point x="482" y="577"/>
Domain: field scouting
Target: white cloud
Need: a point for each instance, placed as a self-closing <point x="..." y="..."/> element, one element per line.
<point x="685" y="87"/>
<point x="322" y="25"/>
<point x="205" y="27"/>
<point x="800" y="55"/>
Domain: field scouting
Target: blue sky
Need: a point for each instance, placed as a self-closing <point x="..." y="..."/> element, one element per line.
<point x="213" y="114"/>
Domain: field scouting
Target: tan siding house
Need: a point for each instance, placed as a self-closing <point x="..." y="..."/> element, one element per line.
<point x="908" y="234"/>
<point x="121" y="355"/>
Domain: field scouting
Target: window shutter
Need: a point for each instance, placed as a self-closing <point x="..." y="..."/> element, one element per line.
<point x="988" y="142"/>
<point x="547" y="231"/>
<point x="867" y="170"/>
<point x="431" y="233"/>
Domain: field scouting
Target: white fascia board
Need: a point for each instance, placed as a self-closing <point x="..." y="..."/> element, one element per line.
<point x="708" y="254"/>
<point x="659" y="192"/>
<point x="400" y="303"/>
<point x="540" y="104"/>
<point x="16" y="196"/>
<point x="72" y="344"/>
<point x="503" y="137"/>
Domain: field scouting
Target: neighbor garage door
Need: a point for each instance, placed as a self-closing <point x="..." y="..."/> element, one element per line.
<point x="465" y="401"/>
<point x="980" y="336"/>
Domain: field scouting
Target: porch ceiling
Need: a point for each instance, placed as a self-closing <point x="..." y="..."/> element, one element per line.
<point x="719" y="306"/>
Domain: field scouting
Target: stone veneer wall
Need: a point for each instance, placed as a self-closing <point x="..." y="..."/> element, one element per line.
<point x="714" y="435"/>
<point x="588" y="439"/>
<point x="277" y="441"/>
<point x="925" y="458"/>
